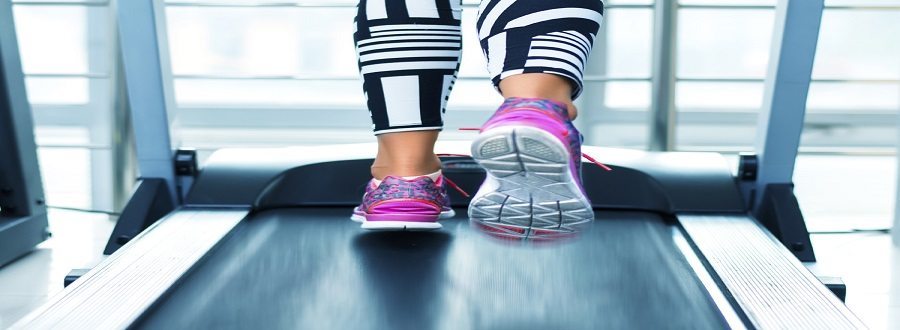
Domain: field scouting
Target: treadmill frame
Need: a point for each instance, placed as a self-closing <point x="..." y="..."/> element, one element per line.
<point x="769" y="191"/>
<point x="765" y="178"/>
<point x="23" y="215"/>
<point x="770" y="298"/>
<point x="157" y="190"/>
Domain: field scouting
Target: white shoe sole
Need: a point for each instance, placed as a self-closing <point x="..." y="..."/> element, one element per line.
<point x="400" y="225"/>
<point x="444" y="215"/>
<point x="529" y="185"/>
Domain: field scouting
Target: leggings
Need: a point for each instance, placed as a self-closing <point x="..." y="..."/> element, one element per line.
<point x="409" y="51"/>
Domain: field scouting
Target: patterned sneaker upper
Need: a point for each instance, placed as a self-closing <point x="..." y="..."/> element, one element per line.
<point x="445" y="197"/>
<point x="396" y="195"/>
<point x="545" y="114"/>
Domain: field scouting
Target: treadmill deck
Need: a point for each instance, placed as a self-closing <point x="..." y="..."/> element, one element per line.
<point x="312" y="268"/>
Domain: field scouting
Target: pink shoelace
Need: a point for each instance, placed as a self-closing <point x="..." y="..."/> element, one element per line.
<point x="454" y="186"/>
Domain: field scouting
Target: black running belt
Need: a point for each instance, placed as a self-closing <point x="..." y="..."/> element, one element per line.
<point x="312" y="268"/>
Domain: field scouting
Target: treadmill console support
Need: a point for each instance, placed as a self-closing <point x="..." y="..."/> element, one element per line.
<point x="793" y="52"/>
<point x="150" y="202"/>
<point x="779" y="210"/>
<point x="23" y="213"/>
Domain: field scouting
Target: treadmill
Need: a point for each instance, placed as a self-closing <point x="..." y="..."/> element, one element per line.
<point x="261" y="238"/>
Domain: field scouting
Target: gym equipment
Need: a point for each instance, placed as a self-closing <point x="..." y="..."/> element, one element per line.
<point x="23" y="215"/>
<point x="261" y="237"/>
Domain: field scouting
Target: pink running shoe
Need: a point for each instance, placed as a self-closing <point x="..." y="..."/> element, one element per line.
<point x="404" y="204"/>
<point x="533" y="190"/>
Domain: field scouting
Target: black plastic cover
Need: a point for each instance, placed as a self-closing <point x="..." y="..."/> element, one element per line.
<point x="336" y="175"/>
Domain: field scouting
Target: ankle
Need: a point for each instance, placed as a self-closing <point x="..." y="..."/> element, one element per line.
<point x="566" y="104"/>
<point x="382" y="168"/>
<point x="542" y="86"/>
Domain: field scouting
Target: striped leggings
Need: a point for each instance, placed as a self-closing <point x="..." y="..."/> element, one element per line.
<point x="409" y="51"/>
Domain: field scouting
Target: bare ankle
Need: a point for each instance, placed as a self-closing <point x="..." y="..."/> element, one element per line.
<point x="406" y="154"/>
<point x="383" y="168"/>
<point x="540" y="85"/>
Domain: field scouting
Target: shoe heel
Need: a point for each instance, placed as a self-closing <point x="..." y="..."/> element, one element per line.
<point x="506" y="151"/>
<point x="530" y="184"/>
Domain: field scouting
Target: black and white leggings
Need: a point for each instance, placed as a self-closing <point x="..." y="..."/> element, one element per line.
<point x="409" y="51"/>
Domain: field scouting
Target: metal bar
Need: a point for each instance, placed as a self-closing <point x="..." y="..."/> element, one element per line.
<point x="769" y="7"/>
<point x="100" y="129"/>
<point x="346" y="5"/>
<point x="137" y="26"/>
<point x="68" y="75"/>
<point x="355" y="78"/>
<point x="588" y="78"/>
<point x="895" y="232"/>
<point x="758" y="80"/>
<point x="88" y="146"/>
<point x="300" y="4"/>
<point x="21" y="190"/>
<point x="726" y="6"/>
<point x="62" y="3"/>
<point x="593" y="97"/>
<point x="165" y="61"/>
<point x="23" y="211"/>
<point x="781" y="120"/>
<point x="875" y="8"/>
<point x="311" y="116"/>
<point x="662" y="119"/>
<point x="124" y="157"/>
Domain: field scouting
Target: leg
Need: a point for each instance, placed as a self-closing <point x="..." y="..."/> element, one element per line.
<point x="406" y="154"/>
<point x="409" y="52"/>
<point x="536" y="54"/>
<point x="408" y="56"/>
<point x="541" y="86"/>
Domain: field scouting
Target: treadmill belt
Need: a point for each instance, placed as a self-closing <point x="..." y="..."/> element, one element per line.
<point x="312" y="268"/>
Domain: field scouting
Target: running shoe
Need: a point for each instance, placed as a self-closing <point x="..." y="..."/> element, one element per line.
<point x="533" y="190"/>
<point x="404" y="204"/>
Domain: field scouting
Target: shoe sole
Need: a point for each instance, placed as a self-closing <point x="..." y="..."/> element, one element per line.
<point x="400" y="225"/>
<point x="444" y="215"/>
<point x="534" y="190"/>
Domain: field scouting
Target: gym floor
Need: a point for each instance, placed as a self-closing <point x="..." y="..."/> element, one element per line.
<point x="847" y="201"/>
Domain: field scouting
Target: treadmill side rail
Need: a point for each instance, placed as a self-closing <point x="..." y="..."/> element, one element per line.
<point x="764" y="278"/>
<point x="122" y="287"/>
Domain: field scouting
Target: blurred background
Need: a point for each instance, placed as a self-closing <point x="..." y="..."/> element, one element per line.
<point x="275" y="73"/>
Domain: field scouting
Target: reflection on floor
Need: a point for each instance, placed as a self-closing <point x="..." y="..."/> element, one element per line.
<point x="837" y="193"/>
<point x="78" y="241"/>
<point x="870" y="266"/>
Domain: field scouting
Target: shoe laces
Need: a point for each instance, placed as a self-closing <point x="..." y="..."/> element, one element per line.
<point x="595" y="162"/>
<point x="450" y="182"/>
<point x="454" y="186"/>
